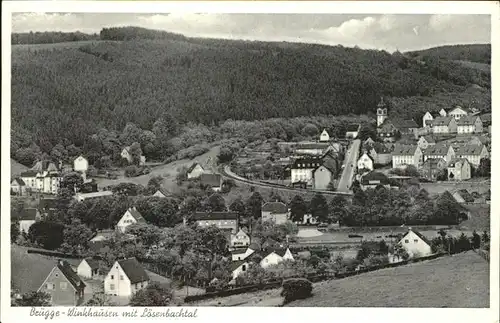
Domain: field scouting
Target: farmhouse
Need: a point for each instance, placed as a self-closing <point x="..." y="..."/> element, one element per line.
<point x="425" y="141"/>
<point x="374" y="180"/>
<point x="18" y="186"/>
<point x="324" y="136"/>
<point x="276" y="212"/>
<point x="130" y="217"/>
<point x="406" y="155"/>
<point x="302" y="169"/>
<point x="63" y="285"/>
<point x="238" y="267"/>
<point x="365" y="162"/>
<point x="275" y="256"/>
<point x="222" y="220"/>
<point x="459" y="169"/>
<point x="352" y="131"/>
<point x="458" y="112"/>
<point x="473" y="153"/>
<point x="88" y="268"/>
<point x="162" y="193"/>
<point x="240" y="239"/>
<point x="81" y="164"/>
<point x="442" y="125"/>
<point x="380" y="153"/>
<point x="195" y="171"/>
<point x="416" y="244"/>
<point x="125" y="278"/>
<point x="432" y="168"/>
<point x="443" y="151"/>
<point x="25" y="218"/>
<point x="213" y="181"/>
<point x="241" y="253"/>
<point x="126" y="154"/>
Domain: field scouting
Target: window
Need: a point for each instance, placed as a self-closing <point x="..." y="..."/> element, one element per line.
<point x="142" y="285"/>
<point x="49" y="286"/>
<point x="121" y="277"/>
<point x="415" y="240"/>
<point x="406" y="241"/>
<point x="243" y="268"/>
<point x="57" y="275"/>
<point x="112" y="277"/>
<point x="112" y="286"/>
<point x="63" y="285"/>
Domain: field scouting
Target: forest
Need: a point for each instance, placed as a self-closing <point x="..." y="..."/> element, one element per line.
<point x="162" y="89"/>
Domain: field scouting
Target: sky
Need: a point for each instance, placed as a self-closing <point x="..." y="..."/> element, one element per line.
<point x="389" y="32"/>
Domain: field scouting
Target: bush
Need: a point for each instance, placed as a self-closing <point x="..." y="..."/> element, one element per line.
<point x="132" y="171"/>
<point x="296" y="288"/>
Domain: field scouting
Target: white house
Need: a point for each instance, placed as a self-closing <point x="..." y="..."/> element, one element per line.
<point x="44" y="177"/>
<point x="473" y="153"/>
<point x="416" y="244"/>
<point x="440" y="151"/>
<point x="427" y="119"/>
<point x="195" y="171"/>
<point x="459" y="169"/>
<point x="88" y="268"/>
<point x="125" y="278"/>
<point x="276" y="256"/>
<point x="444" y="125"/>
<point x="308" y="219"/>
<point x="276" y="212"/>
<point x="130" y="217"/>
<point x="18" y="186"/>
<point x="352" y="131"/>
<point x="443" y="113"/>
<point x="126" y="154"/>
<point x="458" y="112"/>
<point x="303" y="168"/>
<point x="469" y="124"/>
<point x="81" y="164"/>
<point x="425" y="141"/>
<point x="324" y="136"/>
<point x="240" y="239"/>
<point x="25" y="218"/>
<point x="238" y="267"/>
<point x="406" y="155"/>
<point x="365" y="162"/>
<point x="241" y="253"/>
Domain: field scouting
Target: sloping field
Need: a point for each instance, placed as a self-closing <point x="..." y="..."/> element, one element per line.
<point x="461" y="280"/>
<point x="440" y="187"/>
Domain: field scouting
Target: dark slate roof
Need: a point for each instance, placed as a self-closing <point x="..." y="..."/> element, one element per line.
<point x="238" y="251"/>
<point x="29" y="173"/>
<point x="134" y="270"/>
<point x="215" y="216"/>
<point x="164" y="192"/>
<point x="190" y="169"/>
<point x="374" y="176"/>
<point x="466" y="150"/>
<point x="306" y="163"/>
<point x="421" y="236"/>
<point x="94" y="264"/>
<point x="404" y="123"/>
<point x="19" y="181"/>
<point x="467" y="120"/>
<point x="387" y="127"/>
<point x="437" y="150"/>
<point x="353" y="127"/>
<point x="279" y="251"/>
<point x="254" y="246"/>
<point x="213" y="180"/>
<point x="24" y="215"/>
<point x="275" y="207"/>
<point x="380" y="148"/>
<point x="236" y="264"/>
<point x="400" y="149"/>
<point x="70" y="275"/>
<point x="433" y="162"/>
<point x="137" y="215"/>
<point x="429" y="139"/>
<point x="464" y="193"/>
<point x="442" y="121"/>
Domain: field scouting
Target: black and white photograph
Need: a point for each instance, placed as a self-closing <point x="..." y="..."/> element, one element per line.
<point x="185" y="160"/>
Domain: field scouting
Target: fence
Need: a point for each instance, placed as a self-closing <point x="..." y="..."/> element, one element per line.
<point x="53" y="253"/>
<point x="314" y="277"/>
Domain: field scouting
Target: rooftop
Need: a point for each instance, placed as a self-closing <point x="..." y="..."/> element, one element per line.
<point x="467" y="150"/>
<point x="401" y="149"/>
<point x="134" y="270"/>
<point x="213" y="180"/>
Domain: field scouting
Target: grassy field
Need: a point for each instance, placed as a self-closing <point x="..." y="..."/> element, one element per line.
<point x="168" y="171"/>
<point x="480" y="217"/>
<point x="17" y="49"/>
<point x="473" y="186"/>
<point x="461" y="280"/>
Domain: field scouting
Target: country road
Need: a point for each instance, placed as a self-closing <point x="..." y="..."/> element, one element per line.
<point x="351" y="161"/>
<point x="226" y="172"/>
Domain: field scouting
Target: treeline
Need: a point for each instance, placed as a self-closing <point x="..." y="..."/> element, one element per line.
<point x="49" y="37"/>
<point x="479" y="53"/>
<point x="129" y="33"/>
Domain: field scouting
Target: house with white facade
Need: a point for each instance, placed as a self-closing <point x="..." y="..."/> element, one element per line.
<point x="276" y="212"/>
<point x="239" y="239"/>
<point x="443" y="113"/>
<point x="443" y="151"/>
<point x="131" y="216"/>
<point x="88" y="268"/>
<point x="126" y="154"/>
<point x="195" y="171"/>
<point x="44" y="177"/>
<point x="324" y="136"/>
<point x="25" y="218"/>
<point x="18" y="186"/>
<point x="469" y="124"/>
<point x="238" y="267"/>
<point x="241" y="253"/>
<point x="416" y="244"/>
<point x="425" y="141"/>
<point x="406" y="155"/>
<point x="303" y="168"/>
<point x="81" y="164"/>
<point x="125" y="278"/>
<point x="322" y="177"/>
<point x="365" y="162"/>
<point x="444" y="125"/>
<point x="222" y="220"/>
<point x="458" y="112"/>
<point x="459" y="169"/>
<point x="473" y="153"/>
<point x="427" y="119"/>
<point x="276" y="256"/>
<point x="163" y="193"/>
<point x="352" y="131"/>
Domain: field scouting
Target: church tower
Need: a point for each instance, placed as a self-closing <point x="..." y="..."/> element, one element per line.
<point x="381" y="112"/>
